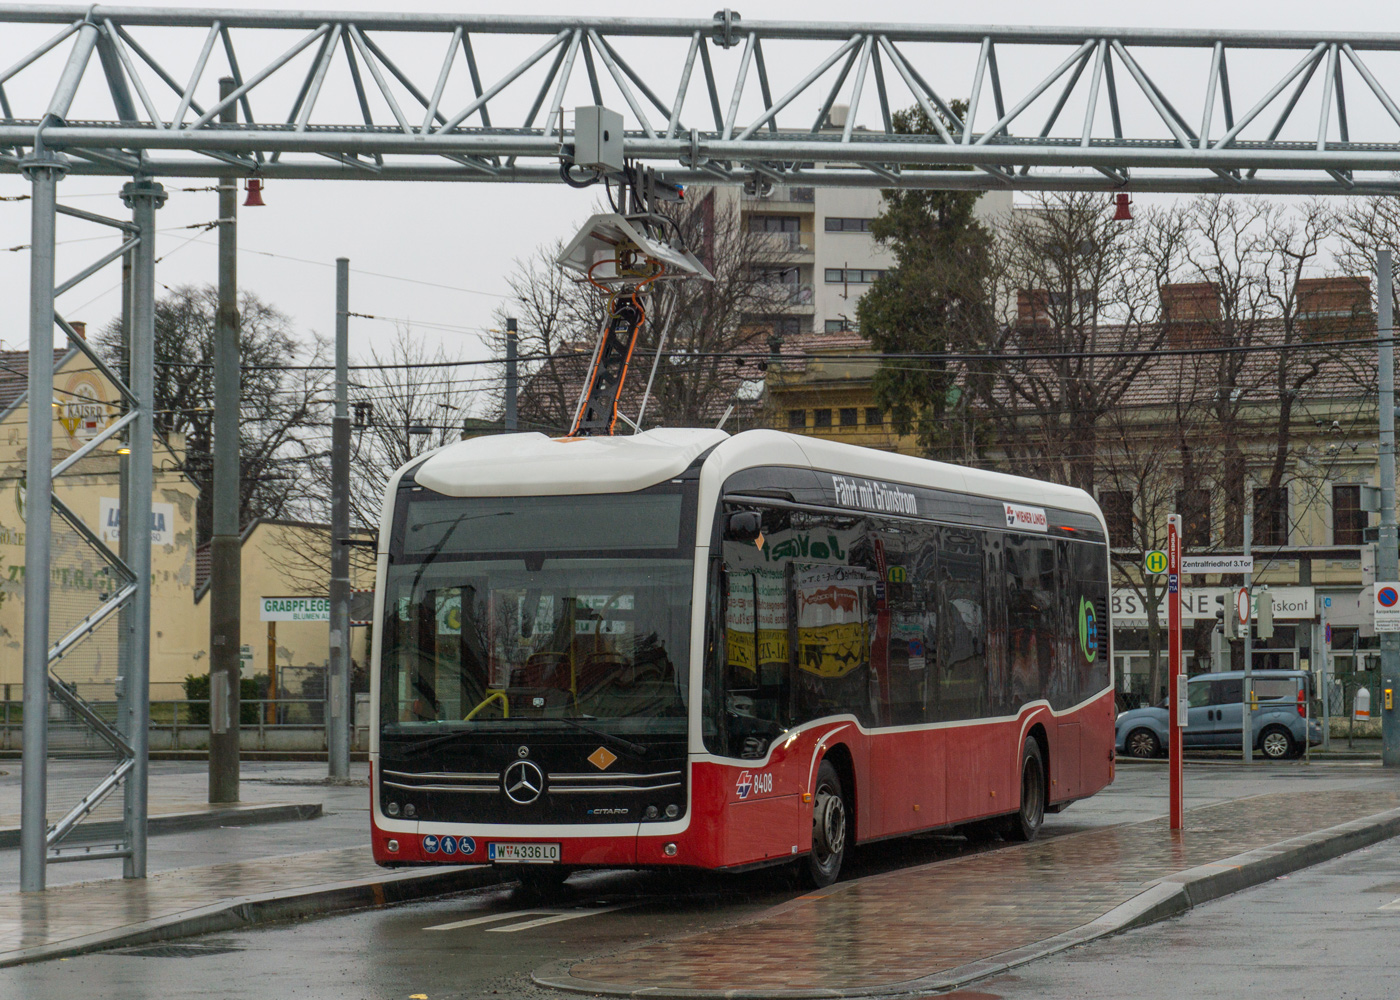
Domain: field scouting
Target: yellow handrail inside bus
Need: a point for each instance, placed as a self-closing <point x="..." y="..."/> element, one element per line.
<point x="493" y="696"/>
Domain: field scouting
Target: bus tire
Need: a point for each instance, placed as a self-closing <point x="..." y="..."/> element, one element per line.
<point x="830" y="828"/>
<point x="542" y="881"/>
<point x="1024" y="824"/>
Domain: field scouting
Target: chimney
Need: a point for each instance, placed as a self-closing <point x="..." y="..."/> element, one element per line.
<point x="80" y="328"/>
<point x="1334" y="308"/>
<point x="836" y="117"/>
<point x="1032" y="307"/>
<point x="1190" y="312"/>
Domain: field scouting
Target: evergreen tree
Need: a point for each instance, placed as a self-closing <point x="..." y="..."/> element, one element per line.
<point x="936" y="299"/>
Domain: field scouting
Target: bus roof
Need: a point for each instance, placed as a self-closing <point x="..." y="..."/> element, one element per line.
<point x="532" y="464"/>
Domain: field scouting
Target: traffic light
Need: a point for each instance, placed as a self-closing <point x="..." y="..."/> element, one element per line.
<point x="1225" y="617"/>
<point x="1264" y="616"/>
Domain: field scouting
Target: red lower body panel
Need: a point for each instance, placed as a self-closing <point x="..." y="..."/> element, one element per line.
<point x="906" y="781"/>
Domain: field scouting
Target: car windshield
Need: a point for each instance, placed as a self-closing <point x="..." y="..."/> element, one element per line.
<point x="502" y="613"/>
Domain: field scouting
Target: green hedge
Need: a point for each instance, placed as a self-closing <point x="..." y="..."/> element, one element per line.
<point x="197" y="690"/>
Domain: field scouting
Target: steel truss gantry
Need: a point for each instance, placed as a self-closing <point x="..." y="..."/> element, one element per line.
<point x="709" y="100"/>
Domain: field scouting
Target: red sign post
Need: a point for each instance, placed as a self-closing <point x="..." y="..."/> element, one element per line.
<point x="1176" y="700"/>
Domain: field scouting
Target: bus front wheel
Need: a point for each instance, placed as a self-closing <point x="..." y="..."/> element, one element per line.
<point x="829" y="827"/>
<point x="541" y="881"/>
<point x="1025" y="823"/>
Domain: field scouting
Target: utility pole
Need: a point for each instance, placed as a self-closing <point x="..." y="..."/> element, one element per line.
<point x="1386" y="554"/>
<point x="338" y="686"/>
<point x="225" y="550"/>
<point x="1246" y="689"/>
<point x="511" y="375"/>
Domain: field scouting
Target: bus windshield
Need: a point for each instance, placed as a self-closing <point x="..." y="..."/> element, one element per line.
<point x="508" y="612"/>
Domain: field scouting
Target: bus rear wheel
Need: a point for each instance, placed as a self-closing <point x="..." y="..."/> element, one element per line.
<point x="830" y="823"/>
<point x="1024" y="824"/>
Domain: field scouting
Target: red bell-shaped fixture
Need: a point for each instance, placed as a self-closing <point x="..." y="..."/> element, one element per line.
<point x="254" y="199"/>
<point x="1123" y="211"/>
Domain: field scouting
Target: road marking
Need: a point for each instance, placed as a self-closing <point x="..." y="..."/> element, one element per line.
<point x="1394" y="904"/>
<point x="556" y="918"/>
<point x="492" y="918"/>
<point x="542" y="918"/>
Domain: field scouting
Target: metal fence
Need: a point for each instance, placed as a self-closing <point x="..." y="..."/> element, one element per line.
<point x="271" y="724"/>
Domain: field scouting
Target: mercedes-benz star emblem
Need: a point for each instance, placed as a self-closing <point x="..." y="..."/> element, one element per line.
<point x="523" y="782"/>
<point x="523" y="752"/>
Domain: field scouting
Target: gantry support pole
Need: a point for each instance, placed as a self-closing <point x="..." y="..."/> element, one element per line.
<point x="143" y="197"/>
<point x="43" y="170"/>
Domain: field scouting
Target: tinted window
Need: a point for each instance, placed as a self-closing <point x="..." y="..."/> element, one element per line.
<point x="1226" y="692"/>
<point x="448" y="525"/>
<point x="1085" y="621"/>
<point x="1031" y="614"/>
<point x="904" y="657"/>
<point x="962" y="627"/>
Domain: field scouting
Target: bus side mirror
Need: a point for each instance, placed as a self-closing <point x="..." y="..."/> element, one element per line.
<point x="744" y="526"/>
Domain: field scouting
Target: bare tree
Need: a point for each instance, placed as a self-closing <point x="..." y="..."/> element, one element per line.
<point x="281" y="386"/>
<point x="1080" y="293"/>
<point x="559" y="319"/>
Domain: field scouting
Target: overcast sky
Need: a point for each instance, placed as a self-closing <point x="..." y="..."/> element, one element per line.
<point x="456" y="242"/>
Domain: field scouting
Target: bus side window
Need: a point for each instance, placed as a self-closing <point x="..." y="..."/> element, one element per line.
<point x="999" y="700"/>
<point x="962" y="631"/>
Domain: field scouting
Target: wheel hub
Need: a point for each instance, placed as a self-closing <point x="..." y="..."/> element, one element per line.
<point x="829" y="824"/>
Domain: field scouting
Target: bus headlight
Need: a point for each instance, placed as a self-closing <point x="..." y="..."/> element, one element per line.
<point x="392" y="809"/>
<point x="409" y="810"/>
<point x="651" y="813"/>
<point x="672" y="811"/>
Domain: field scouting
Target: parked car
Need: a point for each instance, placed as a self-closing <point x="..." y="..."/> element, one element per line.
<point x="1216" y="718"/>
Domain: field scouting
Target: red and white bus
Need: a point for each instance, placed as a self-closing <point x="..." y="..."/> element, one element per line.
<point x="685" y="648"/>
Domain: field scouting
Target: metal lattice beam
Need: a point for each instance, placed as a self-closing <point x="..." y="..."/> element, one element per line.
<point x="485" y="98"/>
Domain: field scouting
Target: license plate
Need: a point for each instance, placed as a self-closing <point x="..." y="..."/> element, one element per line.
<point x="524" y="854"/>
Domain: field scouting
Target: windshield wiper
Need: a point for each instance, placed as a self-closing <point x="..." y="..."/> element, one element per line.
<point x="416" y="748"/>
<point x="626" y="745"/>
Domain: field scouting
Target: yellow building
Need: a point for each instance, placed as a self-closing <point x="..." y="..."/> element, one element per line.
<point x="279" y="559"/>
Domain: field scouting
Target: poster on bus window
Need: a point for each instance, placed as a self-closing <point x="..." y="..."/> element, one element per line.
<point x="832" y="632"/>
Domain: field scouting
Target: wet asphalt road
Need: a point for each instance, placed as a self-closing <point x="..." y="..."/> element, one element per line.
<point x="1326" y="933"/>
<point x="475" y="944"/>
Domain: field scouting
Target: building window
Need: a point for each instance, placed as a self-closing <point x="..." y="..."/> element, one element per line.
<point x="783" y="326"/>
<point x="1194" y="507"/>
<point x="776" y="275"/>
<point x="838" y="225"/>
<point x="873" y="417"/>
<point x="821" y="418"/>
<point x="852" y="275"/>
<point x="1117" y="507"/>
<point x="797" y="420"/>
<point x="1271" y="516"/>
<point x="841" y="325"/>
<point x="1348" y="519"/>
<point x="774" y="224"/>
<point x="848" y="416"/>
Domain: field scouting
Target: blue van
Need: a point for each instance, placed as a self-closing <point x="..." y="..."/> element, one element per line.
<point x="1215" y="718"/>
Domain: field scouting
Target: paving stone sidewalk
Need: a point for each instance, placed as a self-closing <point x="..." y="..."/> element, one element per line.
<point x="915" y="923"/>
